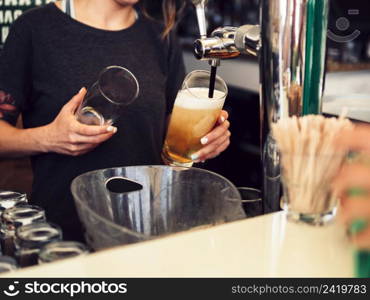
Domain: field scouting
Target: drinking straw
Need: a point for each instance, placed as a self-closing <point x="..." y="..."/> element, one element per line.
<point x="310" y="160"/>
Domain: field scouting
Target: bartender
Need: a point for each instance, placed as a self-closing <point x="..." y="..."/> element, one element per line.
<point x="54" y="50"/>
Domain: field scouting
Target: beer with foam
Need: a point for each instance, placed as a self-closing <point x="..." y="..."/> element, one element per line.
<point x="194" y="115"/>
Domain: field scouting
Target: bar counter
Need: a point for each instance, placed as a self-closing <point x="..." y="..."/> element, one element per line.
<point x="266" y="246"/>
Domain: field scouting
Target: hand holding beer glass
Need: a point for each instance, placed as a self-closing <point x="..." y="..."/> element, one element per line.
<point x="194" y="115"/>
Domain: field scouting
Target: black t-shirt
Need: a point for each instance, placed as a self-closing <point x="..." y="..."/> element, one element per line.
<point x="49" y="56"/>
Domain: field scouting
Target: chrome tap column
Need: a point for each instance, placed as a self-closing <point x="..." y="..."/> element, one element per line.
<point x="291" y="44"/>
<point x="292" y="58"/>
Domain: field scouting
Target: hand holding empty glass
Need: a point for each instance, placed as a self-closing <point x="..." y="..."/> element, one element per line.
<point x="115" y="88"/>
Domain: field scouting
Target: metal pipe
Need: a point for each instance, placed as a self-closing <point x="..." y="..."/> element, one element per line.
<point x="200" y="6"/>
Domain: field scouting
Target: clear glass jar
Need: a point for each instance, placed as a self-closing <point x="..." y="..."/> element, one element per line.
<point x="29" y="240"/>
<point x="61" y="250"/>
<point x="10" y="199"/>
<point x="14" y="217"/>
<point x="7" y="264"/>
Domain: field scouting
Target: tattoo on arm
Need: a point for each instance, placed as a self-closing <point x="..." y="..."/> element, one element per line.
<point x="7" y="105"/>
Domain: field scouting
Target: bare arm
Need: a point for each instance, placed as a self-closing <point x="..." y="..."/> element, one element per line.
<point x="65" y="135"/>
<point x="15" y="142"/>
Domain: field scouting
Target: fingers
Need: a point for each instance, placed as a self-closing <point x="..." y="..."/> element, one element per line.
<point x="223" y="117"/>
<point x="351" y="176"/>
<point x="92" y="130"/>
<point x="216" y="152"/>
<point x="214" y="149"/>
<point x="66" y="135"/>
<point x="362" y="239"/>
<point x="79" y="149"/>
<point x="216" y="133"/>
<point x="354" y="207"/>
<point x="94" y="139"/>
<point x="355" y="139"/>
<point x="75" y="144"/>
<point x="216" y="141"/>
<point x="353" y="185"/>
<point x="79" y="128"/>
<point x="75" y="102"/>
<point x="355" y="213"/>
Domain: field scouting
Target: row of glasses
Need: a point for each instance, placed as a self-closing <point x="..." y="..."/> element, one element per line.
<point x="14" y="218"/>
<point x="27" y="238"/>
<point x="8" y="199"/>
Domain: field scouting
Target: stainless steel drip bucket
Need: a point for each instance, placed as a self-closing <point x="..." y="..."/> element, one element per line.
<point x="131" y="204"/>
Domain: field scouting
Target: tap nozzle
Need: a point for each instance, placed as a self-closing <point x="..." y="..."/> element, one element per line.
<point x="229" y="42"/>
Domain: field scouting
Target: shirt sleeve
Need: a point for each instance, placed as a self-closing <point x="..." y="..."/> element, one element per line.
<point x="176" y="71"/>
<point x="15" y="72"/>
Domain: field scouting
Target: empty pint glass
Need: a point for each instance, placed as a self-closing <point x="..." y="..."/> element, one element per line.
<point x="194" y="115"/>
<point x="10" y="199"/>
<point x="14" y="217"/>
<point x="115" y="88"/>
<point x="61" y="250"/>
<point x="31" y="238"/>
<point x="7" y="264"/>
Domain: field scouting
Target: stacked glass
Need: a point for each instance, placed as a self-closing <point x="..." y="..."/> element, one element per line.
<point x="9" y="199"/>
<point x="13" y="218"/>
<point x="29" y="240"/>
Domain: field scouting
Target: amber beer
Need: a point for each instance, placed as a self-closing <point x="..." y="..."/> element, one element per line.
<point x="194" y="115"/>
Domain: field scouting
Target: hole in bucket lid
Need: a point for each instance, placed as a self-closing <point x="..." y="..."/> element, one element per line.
<point x="121" y="185"/>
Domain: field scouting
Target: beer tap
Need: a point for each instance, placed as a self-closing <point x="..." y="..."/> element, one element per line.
<point x="226" y="42"/>
<point x="229" y="42"/>
<point x="290" y="44"/>
<point x="200" y="6"/>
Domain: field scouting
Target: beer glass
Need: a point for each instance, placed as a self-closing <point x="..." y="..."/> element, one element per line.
<point x="251" y="201"/>
<point x="31" y="238"/>
<point x="7" y="264"/>
<point x="14" y="217"/>
<point x="115" y="88"/>
<point x="194" y="115"/>
<point x="10" y="199"/>
<point x="61" y="250"/>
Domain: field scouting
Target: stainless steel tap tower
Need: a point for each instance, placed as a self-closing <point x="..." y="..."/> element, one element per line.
<point x="290" y="42"/>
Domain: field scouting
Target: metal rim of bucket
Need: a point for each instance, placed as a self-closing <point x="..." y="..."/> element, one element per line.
<point x="121" y="228"/>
